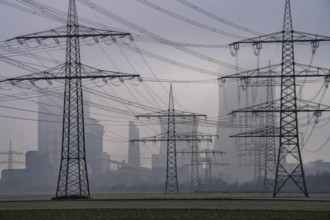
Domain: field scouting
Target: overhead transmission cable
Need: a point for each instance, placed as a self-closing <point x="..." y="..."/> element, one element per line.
<point x="190" y="21"/>
<point x="217" y="18"/>
<point x="135" y="27"/>
<point x="44" y="9"/>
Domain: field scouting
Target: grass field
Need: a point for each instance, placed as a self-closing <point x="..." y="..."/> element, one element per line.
<point x="158" y="214"/>
<point x="161" y="206"/>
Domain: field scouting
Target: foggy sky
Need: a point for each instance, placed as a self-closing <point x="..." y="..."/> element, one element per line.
<point x="264" y="16"/>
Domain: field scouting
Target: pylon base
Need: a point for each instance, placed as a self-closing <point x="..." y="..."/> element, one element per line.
<point x="72" y="197"/>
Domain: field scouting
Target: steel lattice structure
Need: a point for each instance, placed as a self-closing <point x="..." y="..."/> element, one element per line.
<point x="288" y="130"/>
<point x="194" y="171"/>
<point x="195" y="162"/>
<point x="195" y="152"/>
<point x="209" y="162"/>
<point x="73" y="176"/>
<point x="259" y="155"/>
<point x="270" y="149"/>
<point x="171" y="184"/>
<point x="171" y="137"/>
<point x="73" y="180"/>
<point x="10" y="159"/>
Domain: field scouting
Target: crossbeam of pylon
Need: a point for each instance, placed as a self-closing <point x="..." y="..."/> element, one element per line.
<point x="275" y="106"/>
<point x="277" y="37"/>
<point x="61" y="33"/>
<point x="275" y="72"/>
<point x="58" y="73"/>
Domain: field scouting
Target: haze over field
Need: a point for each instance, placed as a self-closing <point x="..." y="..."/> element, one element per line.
<point x="193" y="70"/>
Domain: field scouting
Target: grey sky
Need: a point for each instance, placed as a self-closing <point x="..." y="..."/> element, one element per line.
<point x="264" y="16"/>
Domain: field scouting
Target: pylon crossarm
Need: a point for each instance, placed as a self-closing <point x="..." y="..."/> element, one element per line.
<point x="275" y="83"/>
<point x="58" y="73"/>
<point x="274" y="106"/>
<point x="273" y="37"/>
<point x="158" y="114"/>
<point x="61" y="33"/>
<point x="93" y="73"/>
<point x="259" y="132"/>
<point x="178" y="137"/>
<point x="183" y="114"/>
<point x="261" y="83"/>
<point x="14" y="162"/>
<point x="303" y="70"/>
<point x="211" y="152"/>
<point x="277" y="37"/>
<point x="164" y="114"/>
<point x="13" y="152"/>
<point x="302" y="37"/>
<point x="156" y="138"/>
<point x="190" y="151"/>
<point x="309" y="106"/>
<point x="199" y="134"/>
<point x="274" y="71"/>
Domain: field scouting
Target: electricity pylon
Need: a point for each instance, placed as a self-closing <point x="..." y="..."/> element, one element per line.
<point x="259" y="156"/>
<point x="208" y="159"/>
<point x="290" y="70"/>
<point x="195" y="162"/>
<point x="171" y="137"/>
<point x="10" y="158"/>
<point x="270" y="141"/>
<point x="194" y="174"/>
<point x="195" y="152"/>
<point x="268" y="147"/>
<point x="73" y="180"/>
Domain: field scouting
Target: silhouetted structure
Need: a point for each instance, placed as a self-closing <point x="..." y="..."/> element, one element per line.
<point x="171" y="136"/>
<point x="35" y="178"/>
<point x="288" y="131"/>
<point x="73" y="180"/>
<point x="133" y="147"/>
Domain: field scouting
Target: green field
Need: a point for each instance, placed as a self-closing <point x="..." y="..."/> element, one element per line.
<point x="157" y="214"/>
<point x="161" y="206"/>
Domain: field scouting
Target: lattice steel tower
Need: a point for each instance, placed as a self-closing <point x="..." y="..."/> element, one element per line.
<point x="171" y="136"/>
<point x="270" y="148"/>
<point x="10" y="157"/>
<point x="171" y="184"/>
<point x="194" y="172"/>
<point x="73" y="180"/>
<point x="73" y="177"/>
<point x="289" y="148"/>
<point x="289" y="135"/>
<point x="195" y="152"/>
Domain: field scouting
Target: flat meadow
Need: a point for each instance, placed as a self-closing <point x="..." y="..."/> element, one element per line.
<point x="161" y="206"/>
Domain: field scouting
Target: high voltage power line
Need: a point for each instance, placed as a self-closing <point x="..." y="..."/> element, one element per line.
<point x="149" y="38"/>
